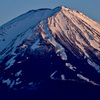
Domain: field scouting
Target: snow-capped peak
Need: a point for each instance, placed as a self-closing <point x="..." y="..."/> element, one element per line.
<point x="64" y="8"/>
<point x="66" y="33"/>
<point x="59" y="19"/>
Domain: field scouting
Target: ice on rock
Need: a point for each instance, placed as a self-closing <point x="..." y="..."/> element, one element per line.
<point x="82" y="77"/>
<point x="71" y="67"/>
<point x="48" y="36"/>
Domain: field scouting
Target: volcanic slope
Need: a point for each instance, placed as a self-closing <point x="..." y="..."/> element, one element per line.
<point x="60" y="44"/>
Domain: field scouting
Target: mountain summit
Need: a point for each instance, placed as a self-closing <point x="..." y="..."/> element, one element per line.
<point x="57" y="44"/>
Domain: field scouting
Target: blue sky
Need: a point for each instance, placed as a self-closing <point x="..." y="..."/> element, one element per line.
<point x="10" y="9"/>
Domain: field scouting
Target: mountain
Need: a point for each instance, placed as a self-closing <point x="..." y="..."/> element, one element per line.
<point x="59" y="45"/>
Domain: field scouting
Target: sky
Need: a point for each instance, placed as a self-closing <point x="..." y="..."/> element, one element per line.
<point x="10" y="9"/>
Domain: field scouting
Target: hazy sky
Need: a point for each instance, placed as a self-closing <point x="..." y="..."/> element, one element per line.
<point x="10" y="9"/>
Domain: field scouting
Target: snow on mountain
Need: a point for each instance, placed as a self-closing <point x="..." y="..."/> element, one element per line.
<point x="22" y="24"/>
<point x="69" y="34"/>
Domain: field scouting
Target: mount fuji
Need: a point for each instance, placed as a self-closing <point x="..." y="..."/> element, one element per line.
<point x="57" y="46"/>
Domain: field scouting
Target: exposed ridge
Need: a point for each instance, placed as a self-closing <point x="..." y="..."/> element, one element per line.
<point x="31" y="12"/>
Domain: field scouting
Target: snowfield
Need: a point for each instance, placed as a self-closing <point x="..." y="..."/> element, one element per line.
<point x="71" y="39"/>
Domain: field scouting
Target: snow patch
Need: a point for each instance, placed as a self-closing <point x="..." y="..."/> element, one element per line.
<point x="82" y="77"/>
<point x="18" y="82"/>
<point x="87" y="80"/>
<point x="19" y="62"/>
<point x="92" y="64"/>
<point x="35" y="45"/>
<point x="7" y="81"/>
<point x="31" y="83"/>
<point x="63" y="77"/>
<point x="12" y="84"/>
<point x="10" y="62"/>
<point x="71" y="67"/>
<point x="51" y="76"/>
<point x="17" y="79"/>
<point x="18" y="73"/>
<point x="48" y="36"/>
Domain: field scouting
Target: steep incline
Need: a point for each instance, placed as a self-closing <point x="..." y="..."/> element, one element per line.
<point x="57" y="43"/>
<point x="77" y="33"/>
<point x="75" y="30"/>
<point x="22" y="24"/>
